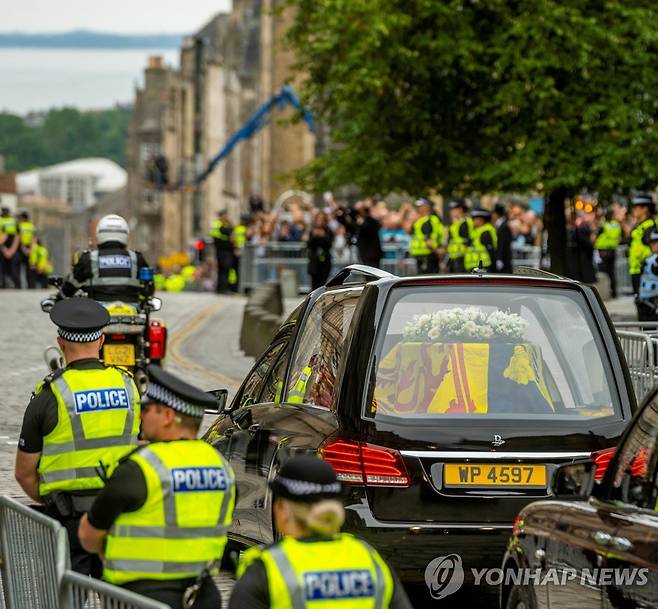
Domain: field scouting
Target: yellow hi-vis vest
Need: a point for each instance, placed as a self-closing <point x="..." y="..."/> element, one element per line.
<point x="298" y="392"/>
<point x="637" y="250"/>
<point x="418" y="245"/>
<point x="8" y="225"/>
<point x="181" y="528"/>
<point x="336" y="573"/>
<point x="610" y="236"/>
<point x="239" y="236"/>
<point x="456" y="244"/>
<point x="477" y="251"/>
<point x="27" y="232"/>
<point x="97" y="424"/>
<point x="216" y="230"/>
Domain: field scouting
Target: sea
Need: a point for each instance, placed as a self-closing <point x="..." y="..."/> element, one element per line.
<point x="33" y="80"/>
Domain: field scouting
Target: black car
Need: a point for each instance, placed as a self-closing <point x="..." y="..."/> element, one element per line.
<point x="444" y="404"/>
<point x="596" y="546"/>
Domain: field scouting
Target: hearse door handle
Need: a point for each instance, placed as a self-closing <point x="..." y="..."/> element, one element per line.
<point x="602" y="538"/>
<point x="621" y="543"/>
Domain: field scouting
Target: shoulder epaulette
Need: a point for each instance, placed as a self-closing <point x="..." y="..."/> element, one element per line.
<point x="47" y="381"/>
<point x="129" y="454"/>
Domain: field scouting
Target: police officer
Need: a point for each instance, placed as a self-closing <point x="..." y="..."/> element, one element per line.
<point x="426" y="237"/>
<point x="160" y="522"/>
<point x="482" y="251"/>
<point x="607" y="241"/>
<point x="240" y="236"/>
<point x="26" y="233"/>
<point x="313" y="553"/>
<point x="81" y="419"/>
<point x="460" y="236"/>
<point x="647" y="300"/>
<point x="221" y="232"/>
<point x="110" y="272"/>
<point x="642" y="210"/>
<point x="9" y="242"/>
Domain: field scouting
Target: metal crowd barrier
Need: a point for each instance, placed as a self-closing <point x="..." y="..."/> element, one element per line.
<point x="640" y="351"/>
<point x="35" y="567"/>
<point x="34" y="554"/>
<point x="526" y="255"/>
<point x="261" y="263"/>
<point x="622" y="275"/>
<point x="80" y="592"/>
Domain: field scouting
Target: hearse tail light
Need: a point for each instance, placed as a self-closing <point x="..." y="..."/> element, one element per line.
<point x="362" y="463"/>
<point x="602" y="460"/>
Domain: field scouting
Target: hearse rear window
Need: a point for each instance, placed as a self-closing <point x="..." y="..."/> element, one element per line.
<point x="491" y="351"/>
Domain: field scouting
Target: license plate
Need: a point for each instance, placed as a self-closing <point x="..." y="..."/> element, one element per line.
<point x="119" y="355"/>
<point x="493" y="474"/>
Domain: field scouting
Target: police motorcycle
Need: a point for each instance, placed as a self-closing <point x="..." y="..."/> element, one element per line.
<point x="133" y="339"/>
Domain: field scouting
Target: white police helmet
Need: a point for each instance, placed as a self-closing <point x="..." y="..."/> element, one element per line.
<point x="112" y="228"/>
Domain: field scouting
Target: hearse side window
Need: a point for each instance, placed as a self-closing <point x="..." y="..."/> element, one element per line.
<point x="635" y="481"/>
<point x="273" y="390"/>
<point x="503" y="352"/>
<point x="313" y="373"/>
<point x="255" y="381"/>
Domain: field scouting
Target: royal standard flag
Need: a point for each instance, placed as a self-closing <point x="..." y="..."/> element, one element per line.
<point x="462" y="378"/>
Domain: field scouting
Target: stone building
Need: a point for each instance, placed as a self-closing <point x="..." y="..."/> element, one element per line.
<point x="159" y="157"/>
<point x="184" y="116"/>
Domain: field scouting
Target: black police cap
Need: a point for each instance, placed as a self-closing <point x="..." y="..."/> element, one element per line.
<point x="653" y="236"/>
<point x="480" y="212"/>
<point x="306" y="479"/>
<point x="423" y="201"/>
<point x="79" y="320"/>
<point x="165" y="388"/>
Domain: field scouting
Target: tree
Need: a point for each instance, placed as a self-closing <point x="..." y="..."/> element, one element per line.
<point x="65" y="134"/>
<point x="469" y="96"/>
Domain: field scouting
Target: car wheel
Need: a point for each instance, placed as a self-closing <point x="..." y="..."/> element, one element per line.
<point x="521" y="597"/>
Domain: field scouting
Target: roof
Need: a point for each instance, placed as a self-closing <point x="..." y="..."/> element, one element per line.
<point x="109" y="175"/>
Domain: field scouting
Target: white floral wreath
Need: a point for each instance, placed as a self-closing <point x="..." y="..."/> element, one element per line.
<point x="465" y="323"/>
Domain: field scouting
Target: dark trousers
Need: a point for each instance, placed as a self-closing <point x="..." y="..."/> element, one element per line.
<point x="24" y="262"/>
<point x="607" y="266"/>
<point x="456" y="265"/>
<point x="10" y="276"/>
<point x="171" y="592"/>
<point x="644" y="311"/>
<point x="81" y="560"/>
<point x="224" y="264"/>
<point x="374" y="261"/>
<point x="320" y="274"/>
<point x="428" y="264"/>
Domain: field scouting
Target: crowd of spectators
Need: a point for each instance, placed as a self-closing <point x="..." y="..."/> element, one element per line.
<point x="371" y="228"/>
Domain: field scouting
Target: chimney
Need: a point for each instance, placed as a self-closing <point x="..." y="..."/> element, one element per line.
<point x="155" y="62"/>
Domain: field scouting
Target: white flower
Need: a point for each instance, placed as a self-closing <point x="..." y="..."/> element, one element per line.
<point x="464" y="324"/>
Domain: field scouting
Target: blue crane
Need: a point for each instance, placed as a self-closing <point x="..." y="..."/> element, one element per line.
<point x="286" y="96"/>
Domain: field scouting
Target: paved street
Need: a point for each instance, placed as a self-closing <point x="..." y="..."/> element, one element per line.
<point x="203" y="346"/>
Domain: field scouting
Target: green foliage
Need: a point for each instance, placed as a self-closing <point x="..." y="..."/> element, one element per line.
<point x="65" y="134"/>
<point x="477" y="95"/>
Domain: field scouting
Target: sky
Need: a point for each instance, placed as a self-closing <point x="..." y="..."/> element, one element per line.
<point x="122" y="16"/>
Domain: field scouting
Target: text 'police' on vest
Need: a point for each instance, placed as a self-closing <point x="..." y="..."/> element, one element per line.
<point x="188" y="479"/>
